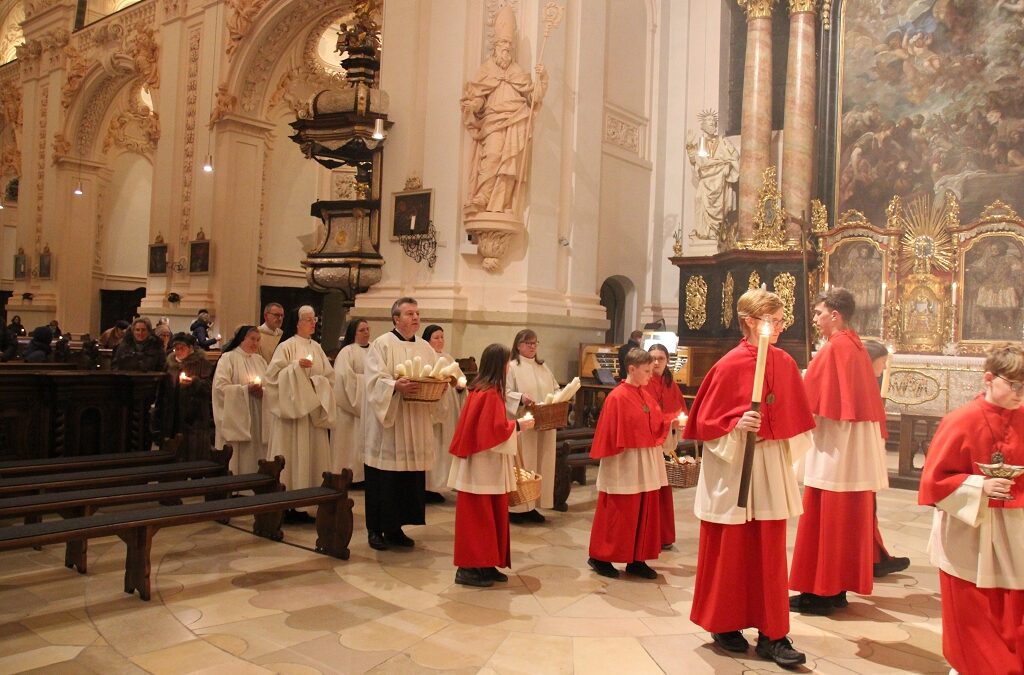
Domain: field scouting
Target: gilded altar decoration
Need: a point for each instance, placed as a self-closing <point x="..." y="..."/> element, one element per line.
<point x="754" y="281"/>
<point x="924" y="313"/>
<point x="757" y="9"/>
<point x="696" y="302"/>
<point x="909" y="387"/>
<point x="819" y="217"/>
<point x="926" y="242"/>
<point x="826" y="14"/>
<point x="998" y="212"/>
<point x="727" y="299"/>
<point x="785" y="287"/>
<point x="797" y="6"/>
<point x="769" y="218"/>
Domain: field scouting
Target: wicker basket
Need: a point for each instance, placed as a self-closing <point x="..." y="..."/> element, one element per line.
<point x="550" y="416"/>
<point x="682" y="475"/>
<point x="527" y="483"/>
<point x="430" y="390"/>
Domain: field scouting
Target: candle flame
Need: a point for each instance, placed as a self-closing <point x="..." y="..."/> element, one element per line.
<point x="890" y="348"/>
<point x="183" y="377"/>
<point x="257" y="380"/>
<point x="766" y="327"/>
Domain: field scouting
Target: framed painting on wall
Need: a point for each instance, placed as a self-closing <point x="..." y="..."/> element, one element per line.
<point x="20" y="265"/>
<point x="157" y="259"/>
<point x="46" y="264"/>
<point x="199" y="255"/>
<point x="412" y="212"/>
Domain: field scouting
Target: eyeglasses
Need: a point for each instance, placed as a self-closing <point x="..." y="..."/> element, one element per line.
<point x="774" y="323"/>
<point x="534" y="343"/>
<point x="1015" y="387"/>
<point x="278" y="315"/>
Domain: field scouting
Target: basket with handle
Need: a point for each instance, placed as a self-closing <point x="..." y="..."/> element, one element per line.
<point x="682" y="473"/>
<point x="430" y="390"/>
<point x="548" y="416"/>
<point x="527" y="482"/>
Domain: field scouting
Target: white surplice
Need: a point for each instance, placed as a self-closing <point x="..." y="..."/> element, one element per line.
<point x="489" y="472"/>
<point x="774" y="494"/>
<point x="845" y="457"/>
<point x="349" y="386"/>
<point x="398" y="434"/>
<point x="444" y="430"/>
<point x="302" y="403"/>
<point x="536" y="381"/>
<point x="239" y="416"/>
<point x="268" y="341"/>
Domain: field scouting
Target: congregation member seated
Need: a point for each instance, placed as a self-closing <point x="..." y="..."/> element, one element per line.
<point x="238" y="404"/>
<point x="8" y="344"/>
<point x="16" y="326"/>
<point x="140" y="350"/>
<point x="111" y="337"/>
<point x="38" y="350"/>
<point x="163" y="333"/>
<point x="187" y="408"/>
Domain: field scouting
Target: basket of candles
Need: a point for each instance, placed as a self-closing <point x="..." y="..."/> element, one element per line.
<point x="683" y="472"/>
<point x="553" y="413"/>
<point x="527" y="483"/>
<point x="433" y="379"/>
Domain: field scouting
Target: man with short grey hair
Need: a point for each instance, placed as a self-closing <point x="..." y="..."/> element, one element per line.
<point x="270" y="329"/>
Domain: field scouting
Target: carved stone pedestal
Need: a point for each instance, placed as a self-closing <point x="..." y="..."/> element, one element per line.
<point x="493" y="234"/>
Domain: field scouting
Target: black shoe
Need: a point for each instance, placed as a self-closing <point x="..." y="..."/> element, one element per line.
<point x="376" y="540"/>
<point x="298" y="517"/>
<point x="809" y="603"/>
<point x="780" y="651"/>
<point x="731" y="642"/>
<point x="890" y="565"/>
<point x="839" y="600"/>
<point x="433" y="497"/>
<point x="398" y="538"/>
<point x="471" y="576"/>
<point x="605" y="569"/>
<point x="639" y="568"/>
<point x="493" y="574"/>
<point x="516" y="518"/>
<point x="534" y="516"/>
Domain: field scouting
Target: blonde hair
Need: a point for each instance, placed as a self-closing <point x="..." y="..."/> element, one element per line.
<point x="1006" y="359"/>
<point x="754" y="304"/>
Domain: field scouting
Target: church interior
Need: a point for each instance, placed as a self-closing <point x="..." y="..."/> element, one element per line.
<point x="607" y="167"/>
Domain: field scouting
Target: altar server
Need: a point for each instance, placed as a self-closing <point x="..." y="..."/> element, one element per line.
<point x="349" y="386"/>
<point x="741" y="560"/>
<point x="844" y="467"/>
<point x="238" y="401"/>
<point x="666" y="392"/>
<point x="978" y="524"/>
<point x="444" y="428"/>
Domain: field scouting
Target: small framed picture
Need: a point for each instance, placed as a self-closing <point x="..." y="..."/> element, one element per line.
<point x="46" y="264"/>
<point x="199" y="256"/>
<point x="412" y="212"/>
<point x="20" y="265"/>
<point x="158" y="259"/>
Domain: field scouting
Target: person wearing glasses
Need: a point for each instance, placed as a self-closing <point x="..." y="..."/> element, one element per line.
<point x="741" y="561"/>
<point x="844" y="468"/>
<point x="979" y="521"/>
<point x="300" y="395"/>
<point x="270" y="330"/>
<point x="529" y="381"/>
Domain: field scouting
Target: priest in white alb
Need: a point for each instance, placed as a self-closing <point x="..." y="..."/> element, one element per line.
<point x="238" y="402"/>
<point x="399" y="434"/>
<point x="300" y="394"/>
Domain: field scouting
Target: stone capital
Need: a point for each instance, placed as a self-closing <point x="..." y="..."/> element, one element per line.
<point x="758" y="9"/>
<point x="803" y="6"/>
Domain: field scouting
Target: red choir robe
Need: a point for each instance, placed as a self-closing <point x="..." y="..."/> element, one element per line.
<point x="481" y="517"/>
<point x="627" y="523"/>
<point x="741" y="568"/>
<point x="670" y="400"/>
<point x="834" y="548"/>
<point x="975" y="541"/>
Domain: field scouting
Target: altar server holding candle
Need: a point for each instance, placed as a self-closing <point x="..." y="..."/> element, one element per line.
<point x="741" y="560"/>
<point x="238" y="401"/>
<point x="300" y="394"/>
<point x="844" y="467"/>
<point x="628" y="440"/>
<point x="978" y="524"/>
<point x="666" y="392"/>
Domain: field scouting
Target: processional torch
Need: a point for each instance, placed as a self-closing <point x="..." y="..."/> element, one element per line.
<point x="755" y="405"/>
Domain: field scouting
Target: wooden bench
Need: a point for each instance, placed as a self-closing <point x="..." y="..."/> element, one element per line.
<point x="79" y="503"/>
<point x="131" y="475"/>
<point x="109" y="460"/>
<point x="137" y="528"/>
<point x="572" y="448"/>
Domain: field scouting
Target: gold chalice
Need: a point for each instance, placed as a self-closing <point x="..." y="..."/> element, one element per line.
<point x="998" y="469"/>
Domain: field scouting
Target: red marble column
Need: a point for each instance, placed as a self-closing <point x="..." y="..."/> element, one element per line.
<point x="756" y="129"/>
<point x="798" y="132"/>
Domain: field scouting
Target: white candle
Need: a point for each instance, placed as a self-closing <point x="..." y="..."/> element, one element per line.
<point x="527" y="416"/>
<point x="256" y="380"/>
<point x="412" y="223"/>
<point x="309" y="357"/>
<point x="762" y="357"/>
<point x="954" y="294"/>
<point x="462" y="382"/>
<point x="885" y="373"/>
<point x="884" y="298"/>
<point x="184" y="378"/>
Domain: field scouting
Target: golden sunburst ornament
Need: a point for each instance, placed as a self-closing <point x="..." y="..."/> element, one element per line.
<point x="926" y="241"/>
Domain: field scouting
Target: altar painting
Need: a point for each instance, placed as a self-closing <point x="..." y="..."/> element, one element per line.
<point x="857" y="265"/>
<point x="993" y="289"/>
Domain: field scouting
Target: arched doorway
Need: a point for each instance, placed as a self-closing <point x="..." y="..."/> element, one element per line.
<point x="618" y="295"/>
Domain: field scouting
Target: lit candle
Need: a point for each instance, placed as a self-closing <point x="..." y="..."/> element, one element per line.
<point x="412" y="223"/>
<point x="528" y="416"/>
<point x="954" y="294"/>
<point x="309" y="357"/>
<point x="883" y="305"/>
<point x="762" y="358"/>
<point x="462" y="383"/>
<point x="183" y="378"/>
<point x="885" y="373"/>
<point x="256" y="380"/>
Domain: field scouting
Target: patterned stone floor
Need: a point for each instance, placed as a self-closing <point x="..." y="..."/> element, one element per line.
<point x="226" y="602"/>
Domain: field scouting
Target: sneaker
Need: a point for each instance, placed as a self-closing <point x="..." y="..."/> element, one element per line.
<point x="839" y="600"/>
<point x="605" y="569"/>
<point x="731" y="642"/>
<point x="471" y="576"/>
<point x="398" y="538"/>
<point x="890" y="565"/>
<point x="809" y="603"/>
<point x="780" y="651"/>
<point x="639" y="568"/>
<point x="376" y="540"/>
<point x="493" y="574"/>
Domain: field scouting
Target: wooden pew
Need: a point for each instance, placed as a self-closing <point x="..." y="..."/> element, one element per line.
<point x="109" y="460"/>
<point x="130" y="475"/>
<point x="137" y="528"/>
<point x="572" y="455"/>
<point x="80" y="503"/>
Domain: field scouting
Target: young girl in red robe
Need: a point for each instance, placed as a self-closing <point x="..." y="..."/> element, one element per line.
<point x="741" y="560"/>
<point x="482" y="472"/>
<point x="664" y="390"/>
<point x="630" y="431"/>
<point x="979" y="522"/>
